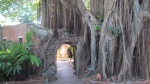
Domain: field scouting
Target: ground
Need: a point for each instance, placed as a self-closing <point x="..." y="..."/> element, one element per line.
<point x="65" y="74"/>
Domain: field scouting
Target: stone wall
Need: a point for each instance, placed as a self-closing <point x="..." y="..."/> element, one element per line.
<point x="14" y="32"/>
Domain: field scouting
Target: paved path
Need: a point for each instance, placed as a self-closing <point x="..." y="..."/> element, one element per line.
<point x="65" y="74"/>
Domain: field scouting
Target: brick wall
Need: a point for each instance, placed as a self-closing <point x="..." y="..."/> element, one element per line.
<point x="13" y="32"/>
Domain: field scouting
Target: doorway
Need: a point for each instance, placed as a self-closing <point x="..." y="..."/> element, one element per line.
<point x="66" y="52"/>
<point x="66" y="65"/>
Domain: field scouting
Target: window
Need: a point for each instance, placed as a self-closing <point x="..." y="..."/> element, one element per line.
<point x="4" y="39"/>
<point x="20" y="39"/>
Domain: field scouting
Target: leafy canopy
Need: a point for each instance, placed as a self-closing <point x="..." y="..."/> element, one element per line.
<point x="24" y="11"/>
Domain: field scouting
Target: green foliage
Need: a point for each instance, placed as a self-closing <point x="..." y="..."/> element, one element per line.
<point x="11" y="59"/>
<point x="113" y="30"/>
<point x="13" y="56"/>
<point x="35" y="60"/>
<point x="24" y="11"/>
<point x="29" y="36"/>
<point x="72" y="49"/>
<point x="87" y="4"/>
<point x="100" y="18"/>
<point x="97" y="28"/>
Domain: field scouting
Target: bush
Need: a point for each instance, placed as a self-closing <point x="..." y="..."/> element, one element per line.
<point x="14" y="58"/>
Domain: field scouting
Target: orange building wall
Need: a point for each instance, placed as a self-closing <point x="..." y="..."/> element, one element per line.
<point x="13" y="32"/>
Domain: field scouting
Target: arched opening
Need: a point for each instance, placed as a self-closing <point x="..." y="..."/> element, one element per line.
<point x="66" y="53"/>
<point x="66" y="64"/>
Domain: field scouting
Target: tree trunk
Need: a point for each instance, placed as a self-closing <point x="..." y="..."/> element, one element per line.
<point x="55" y="33"/>
<point x="119" y="48"/>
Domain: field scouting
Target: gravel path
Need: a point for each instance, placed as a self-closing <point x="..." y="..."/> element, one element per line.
<point x="65" y="74"/>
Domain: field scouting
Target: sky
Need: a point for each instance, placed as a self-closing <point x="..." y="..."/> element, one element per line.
<point x="7" y="21"/>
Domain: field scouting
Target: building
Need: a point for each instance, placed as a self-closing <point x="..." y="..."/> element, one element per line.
<point x="15" y="33"/>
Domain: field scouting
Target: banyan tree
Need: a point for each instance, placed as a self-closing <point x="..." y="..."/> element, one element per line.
<point x="113" y="35"/>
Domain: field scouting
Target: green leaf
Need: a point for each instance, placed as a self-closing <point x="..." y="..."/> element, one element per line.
<point x="8" y="51"/>
<point x="8" y="71"/>
<point x="0" y="65"/>
<point x="8" y="64"/>
<point x="3" y="49"/>
<point x="35" y="60"/>
<point x="22" y="59"/>
<point x="3" y="66"/>
<point x="29" y="36"/>
<point x="3" y="57"/>
<point x="32" y="58"/>
<point x="40" y="61"/>
<point x="14" y="71"/>
<point x="18" y="68"/>
<point x="97" y="27"/>
<point x="1" y="52"/>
